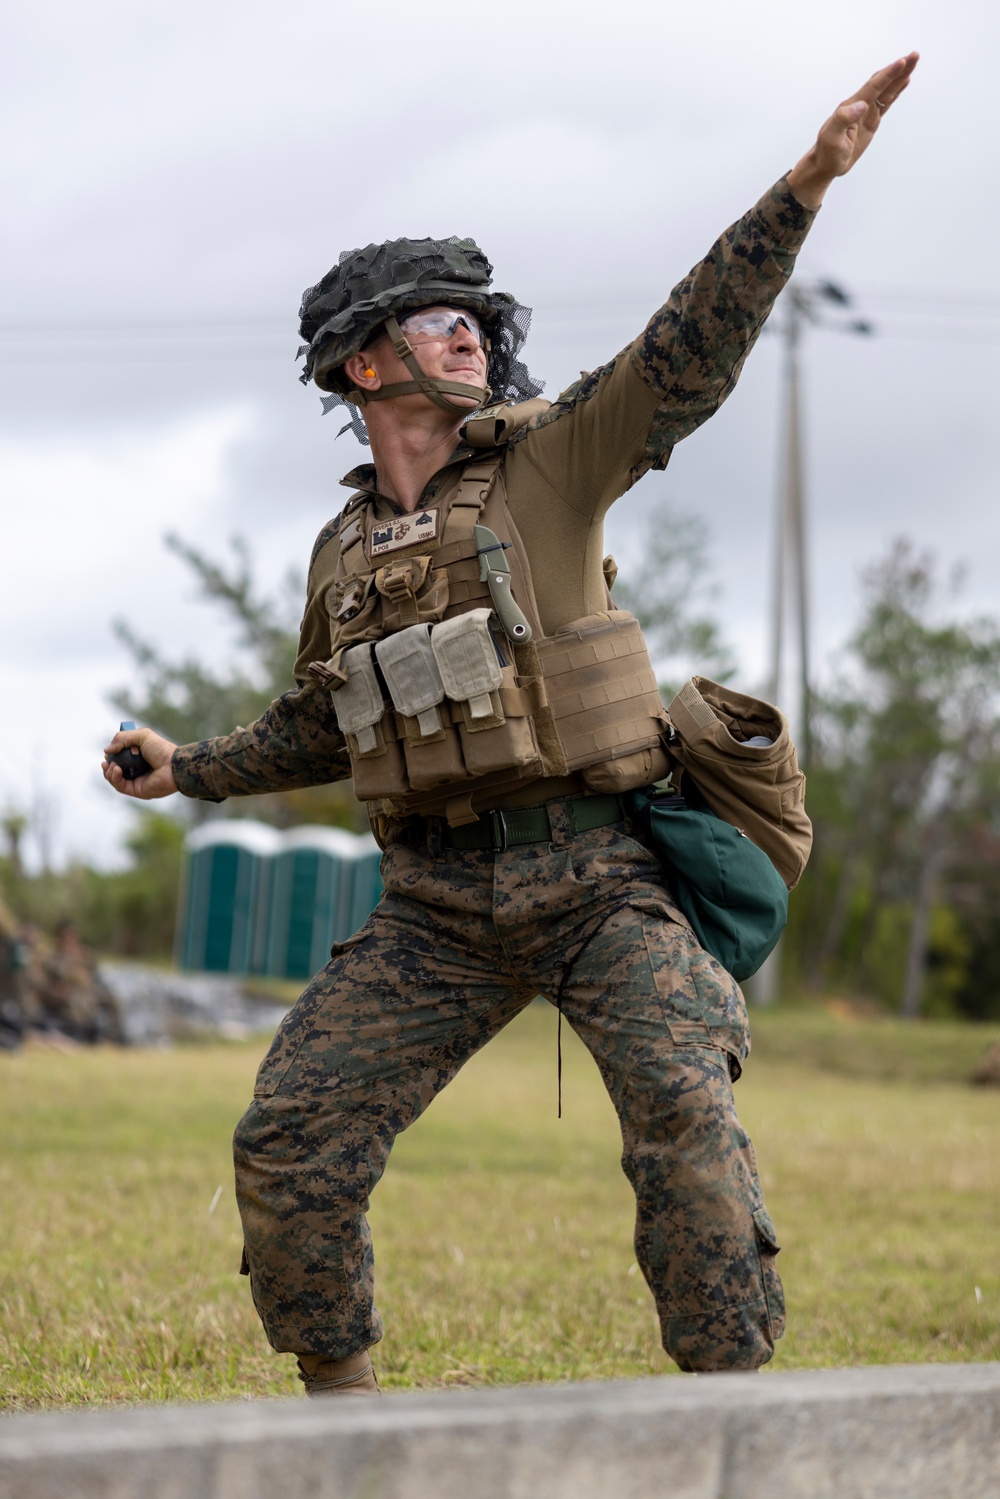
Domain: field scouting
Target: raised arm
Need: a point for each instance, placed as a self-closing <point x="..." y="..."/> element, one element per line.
<point x="625" y="417"/>
<point x="849" y="131"/>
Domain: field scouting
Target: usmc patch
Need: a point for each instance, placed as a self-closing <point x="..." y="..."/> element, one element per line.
<point x="390" y="535"/>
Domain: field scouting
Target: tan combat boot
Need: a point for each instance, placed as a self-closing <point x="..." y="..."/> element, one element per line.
<point x="343" y="1376"/>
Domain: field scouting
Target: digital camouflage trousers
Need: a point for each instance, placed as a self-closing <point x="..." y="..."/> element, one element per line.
<point x="459" y="944"/>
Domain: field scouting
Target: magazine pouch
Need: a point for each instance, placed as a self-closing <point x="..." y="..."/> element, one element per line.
<point x="376" y="759"/>
<point x="430" y="745"/>
<point x="491" y="710"/>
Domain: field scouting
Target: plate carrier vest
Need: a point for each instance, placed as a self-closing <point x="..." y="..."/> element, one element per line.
<point x="438" y="705"/>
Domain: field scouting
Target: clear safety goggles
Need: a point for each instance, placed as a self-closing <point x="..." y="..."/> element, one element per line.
<point x="441" y="323"/>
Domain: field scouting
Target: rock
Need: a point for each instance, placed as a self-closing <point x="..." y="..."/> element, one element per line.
<point x="159" y="1006"/>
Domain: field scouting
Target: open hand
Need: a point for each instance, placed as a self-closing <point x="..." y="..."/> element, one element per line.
<point x="849" y="131"/>
<point x="156" y="750"/>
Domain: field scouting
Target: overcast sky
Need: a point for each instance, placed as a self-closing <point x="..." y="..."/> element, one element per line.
<point x="175" y="174"/>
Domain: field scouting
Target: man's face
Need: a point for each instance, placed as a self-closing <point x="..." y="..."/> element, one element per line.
<point x="447" y="342"/>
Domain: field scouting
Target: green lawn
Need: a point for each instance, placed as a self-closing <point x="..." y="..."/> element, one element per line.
<point x="503" y="1235"/>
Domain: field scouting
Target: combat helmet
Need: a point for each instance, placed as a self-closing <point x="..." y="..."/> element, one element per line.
<point x="369" y="290"/>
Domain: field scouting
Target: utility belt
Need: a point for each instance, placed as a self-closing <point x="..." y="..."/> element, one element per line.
<point x="503" y="828"/>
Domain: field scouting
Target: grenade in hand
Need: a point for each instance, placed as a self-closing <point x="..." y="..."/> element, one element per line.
<point x="131" y="761"/>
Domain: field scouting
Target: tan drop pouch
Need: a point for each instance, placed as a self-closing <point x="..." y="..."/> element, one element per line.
<point x="758" y="788"/>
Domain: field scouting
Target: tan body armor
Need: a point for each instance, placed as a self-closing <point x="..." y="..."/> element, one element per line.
<point x="438" y="704"/>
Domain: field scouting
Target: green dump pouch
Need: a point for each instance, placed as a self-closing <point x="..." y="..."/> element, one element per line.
<point x="730" y="892"/>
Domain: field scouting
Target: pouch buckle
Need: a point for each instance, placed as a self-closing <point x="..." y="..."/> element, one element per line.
<point x="353" y="600"/>
<point x="405" y="577"/>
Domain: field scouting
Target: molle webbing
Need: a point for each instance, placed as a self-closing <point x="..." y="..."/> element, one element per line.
<point x="601" y="688"/>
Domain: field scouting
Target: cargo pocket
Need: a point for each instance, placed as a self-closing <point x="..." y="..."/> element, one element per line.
<point x="768" y="1248"/>
<point x="704" y="1002"/>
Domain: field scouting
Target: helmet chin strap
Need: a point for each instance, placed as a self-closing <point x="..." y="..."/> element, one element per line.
<point x="435" y="390"/>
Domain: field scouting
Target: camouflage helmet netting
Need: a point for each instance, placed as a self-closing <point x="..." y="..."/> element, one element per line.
<point x="340" y="313"/>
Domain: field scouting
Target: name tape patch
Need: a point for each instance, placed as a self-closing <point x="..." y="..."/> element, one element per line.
<point x="390" y="535"/>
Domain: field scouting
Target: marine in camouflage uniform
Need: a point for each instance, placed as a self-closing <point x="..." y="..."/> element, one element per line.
<point x="465" y="936"/>
<point x="462" y="941"/>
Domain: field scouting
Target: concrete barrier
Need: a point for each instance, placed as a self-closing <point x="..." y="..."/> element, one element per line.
<point x="911" y="1431"/>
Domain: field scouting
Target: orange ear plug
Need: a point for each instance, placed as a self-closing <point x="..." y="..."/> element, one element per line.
<point x="369" y="374"/>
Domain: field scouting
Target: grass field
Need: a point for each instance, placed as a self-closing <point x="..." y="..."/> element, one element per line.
<point x="503" y="1235"/>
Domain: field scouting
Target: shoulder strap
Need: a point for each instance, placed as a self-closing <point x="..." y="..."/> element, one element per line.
<point x="352" y="559"/>
<point x="469" y="498"/>
<point x="498" y="424"/>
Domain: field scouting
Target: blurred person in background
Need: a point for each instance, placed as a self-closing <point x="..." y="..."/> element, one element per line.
<point x="68" y="994"/>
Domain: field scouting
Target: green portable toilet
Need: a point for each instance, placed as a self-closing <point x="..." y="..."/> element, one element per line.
<point x="366" y="884"/>
<point x="322" y="888"/>
<point x="223" y="922"/>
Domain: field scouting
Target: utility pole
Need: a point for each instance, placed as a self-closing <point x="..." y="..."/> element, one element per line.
<point x="791" y="579"/>
<point x="790" y="595"/>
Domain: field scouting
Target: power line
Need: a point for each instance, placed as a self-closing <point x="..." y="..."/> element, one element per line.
<point x="927" y="297"/>
<point x="254" y="324"/>
<point x="214" y="350"/>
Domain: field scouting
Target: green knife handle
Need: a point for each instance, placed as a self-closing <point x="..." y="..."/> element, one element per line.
<point x="515" y="625"/>
<point x="494" y="569"/>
